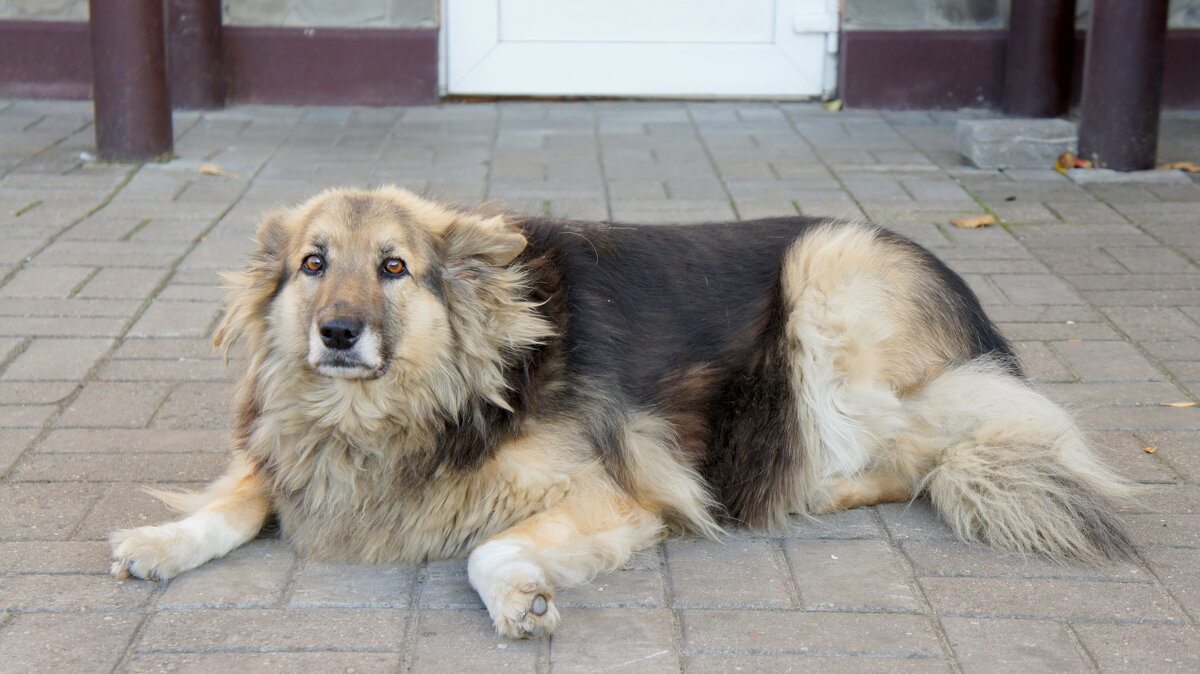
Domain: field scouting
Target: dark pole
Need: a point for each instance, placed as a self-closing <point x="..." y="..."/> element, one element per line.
<point x="133" y="111"/>
<point x="1122" y="83"/>
<point x="1037" y="64"/>
<point x="197" y="71"/>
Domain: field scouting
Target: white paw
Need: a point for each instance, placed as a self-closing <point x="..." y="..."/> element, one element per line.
<point x="524" y="610"/>
<point x="155" y="553"/>
<point x="514" y="589"/>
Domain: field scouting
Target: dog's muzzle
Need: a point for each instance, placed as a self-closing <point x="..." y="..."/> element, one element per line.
<point x="345" y="348"/>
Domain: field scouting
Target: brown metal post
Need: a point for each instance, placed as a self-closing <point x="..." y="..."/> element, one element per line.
<point x="133" y="110"/>
<point x="196" y="68"/>
<point x="1037" y="63"/>
<point x="1122" y="83"/>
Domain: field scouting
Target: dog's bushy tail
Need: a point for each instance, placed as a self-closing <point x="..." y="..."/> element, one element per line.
<point x="1016" y="473"/>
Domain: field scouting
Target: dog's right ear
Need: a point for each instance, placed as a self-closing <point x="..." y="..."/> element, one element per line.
<point x="250" y="291"/>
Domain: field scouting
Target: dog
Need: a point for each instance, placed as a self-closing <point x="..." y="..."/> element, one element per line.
<point x="548" y="397"/>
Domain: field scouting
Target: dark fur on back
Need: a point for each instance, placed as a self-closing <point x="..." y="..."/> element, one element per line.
<point x="687" y="321"/>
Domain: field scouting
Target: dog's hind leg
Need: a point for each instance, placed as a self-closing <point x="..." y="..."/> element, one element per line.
<point x="864" y="490"/>
<point x="228" y="513"/>
<point x="593" y="529"/>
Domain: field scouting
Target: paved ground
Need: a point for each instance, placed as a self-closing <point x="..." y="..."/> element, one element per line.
<point x="109" y="293"/>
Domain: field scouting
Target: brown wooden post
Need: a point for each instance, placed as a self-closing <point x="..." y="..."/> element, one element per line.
<point x="194" y="60"/>
<point x="1037" y="63"/>
<point x="1122" y="83"/>
<point x="129" y="80"/>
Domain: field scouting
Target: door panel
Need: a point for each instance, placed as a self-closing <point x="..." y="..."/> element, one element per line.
<point x="663" y="48"/>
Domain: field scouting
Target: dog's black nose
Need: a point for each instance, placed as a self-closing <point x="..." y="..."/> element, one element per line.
<point x="341" y="333"/>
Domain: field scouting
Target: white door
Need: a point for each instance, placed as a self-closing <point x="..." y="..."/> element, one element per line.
<point x="664" y="48"/>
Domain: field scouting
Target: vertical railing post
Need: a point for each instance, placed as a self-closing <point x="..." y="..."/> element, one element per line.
<point x="1037" y="63"/>
<point x="1122" y="83"/>
<point x="194" y="59"/>
<point x="129" y="87"/>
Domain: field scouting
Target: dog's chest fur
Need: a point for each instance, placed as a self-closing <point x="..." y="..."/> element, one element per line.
<point x="363" y="495"/>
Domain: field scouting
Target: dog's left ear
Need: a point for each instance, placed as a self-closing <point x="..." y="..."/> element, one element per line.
<point x="493" y="240"/>
<point x="249" y="291"/>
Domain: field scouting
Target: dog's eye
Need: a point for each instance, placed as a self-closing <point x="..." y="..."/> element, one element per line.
<point x="313" y="264"/>
<point x="393" y="266"/>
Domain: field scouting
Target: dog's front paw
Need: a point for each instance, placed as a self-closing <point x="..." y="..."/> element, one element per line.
<point x="525" y="609"/>
<point x="154" y="553"/>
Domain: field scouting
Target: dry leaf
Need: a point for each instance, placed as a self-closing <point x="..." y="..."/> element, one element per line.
<point x="214" y="170"/>
<point x="835" y="105"/>
<point x="1187" y="403"/>
<point x="1190" y="167"/>
<point x="977" y="221"/>
<point x="1074" y="341"/>
<point x="1068" y="160"/>
<point x="1150" y="450"/>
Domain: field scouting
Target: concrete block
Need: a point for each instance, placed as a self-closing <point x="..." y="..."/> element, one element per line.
<point x="1014" y="143"/>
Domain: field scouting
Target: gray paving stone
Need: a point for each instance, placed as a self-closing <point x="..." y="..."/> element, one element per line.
<point x="1027" y="289"/>
<point x="446" y="586"/>
<point x="53" y="557"/>
<point x="1164" y="529"/>
<point x="999" y="645"/>
<point x="63" y="642"/>
<point x="1141" y="648"/>
<point x="732" y="573"/>
<point x="45" y="282"/>
<point x="72" y="593"/>
<point x="1050" y="598"/>
<point x="326" y="584"/>
<point x="1177" y="448"/>
<point x="197" y="405"/>
<point x="134" y="440"/>
<point x="13" y="442"/>
<point x="114" y="404"/>
<point x="1111" y="393"/>
<point x="205" y="663"/>
<point x="35" y="392"/>
<point x="809" y="632"/>
<point x="642" y="588"/>
<point x="465" y="641"/>
<point x="68" y="359"/>
<point x="1124" y="452"/>
<point x="254" y="575"/>
<point x="1179" y="571"/>
<point x="176" y="319"/>
<point x="38" y="511"/>
<point x="1041" y="363"/>
<point x="914" y="520"/>
<point x="850" y="575"/>
<point x="1111" y="361"/>
<point x="261" y="630"/>
<point x="791" y="663"/>
<point x="625" y="639"/>
<point x="953" y="559"/>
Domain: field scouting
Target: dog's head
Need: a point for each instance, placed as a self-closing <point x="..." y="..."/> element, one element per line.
<point x="355" y="282"/>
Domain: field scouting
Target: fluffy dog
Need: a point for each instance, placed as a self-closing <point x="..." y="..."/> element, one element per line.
<point x="549" y="397"/>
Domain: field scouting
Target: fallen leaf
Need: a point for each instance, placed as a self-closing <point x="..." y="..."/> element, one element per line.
<point x="1150" y="450"/>
<point x="977" y="221"/>
<point x="1190" y="167"/>
<point x="1068" y="160"/>
<point x="214" y="170"/>
<point x="1074" y="341"/>
<point x="835" y="105"/>
<point x="1187" y="403"/>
